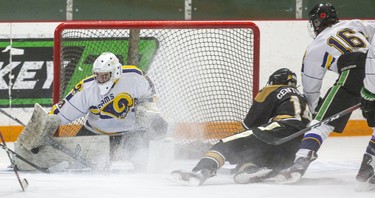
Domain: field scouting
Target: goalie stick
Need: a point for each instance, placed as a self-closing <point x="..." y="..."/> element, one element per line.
<point x="269" y="139"/>
<point x="11" y="117"/>
<point x="23" y="183"/>
<point x="54" y="144"/>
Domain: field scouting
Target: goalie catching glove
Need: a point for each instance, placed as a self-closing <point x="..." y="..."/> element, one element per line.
<point x="149" y="117"/>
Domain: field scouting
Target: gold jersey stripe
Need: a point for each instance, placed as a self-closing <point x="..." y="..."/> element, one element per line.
<point x="216" y="156"/>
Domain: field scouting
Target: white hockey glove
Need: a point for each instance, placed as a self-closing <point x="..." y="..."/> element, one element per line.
<point x="148" y="116"/>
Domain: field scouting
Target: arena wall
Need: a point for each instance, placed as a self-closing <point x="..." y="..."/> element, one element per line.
<point x="282" y="42"/>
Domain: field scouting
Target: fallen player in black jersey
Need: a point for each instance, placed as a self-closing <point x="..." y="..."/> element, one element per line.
<point x="278" y="109"/>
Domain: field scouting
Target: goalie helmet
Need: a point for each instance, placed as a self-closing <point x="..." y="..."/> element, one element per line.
<point x="107" y="69"/>
<point x="283" y="77"/>
<point x="322" y="16"/>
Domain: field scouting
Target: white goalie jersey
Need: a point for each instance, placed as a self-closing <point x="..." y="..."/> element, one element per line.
<point x="322" y="54"/>
<point x="112" y="113"/>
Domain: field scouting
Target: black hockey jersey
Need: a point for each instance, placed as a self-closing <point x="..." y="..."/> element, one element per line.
<point x="278" y="103"/>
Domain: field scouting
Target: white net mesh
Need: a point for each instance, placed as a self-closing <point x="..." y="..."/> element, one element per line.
<point x="204" y="76"/>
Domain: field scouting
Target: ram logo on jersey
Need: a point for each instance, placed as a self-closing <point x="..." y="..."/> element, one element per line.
<point x="117" y="107"/>
<point x="106" y="100"/>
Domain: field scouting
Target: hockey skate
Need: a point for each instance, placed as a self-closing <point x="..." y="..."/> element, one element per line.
<point x="294" y="173"/>
<point x="250" y="173"/>
<point x="190" y="178"/>
<point x="366" y="174"/>
<point x="366" y="171"/>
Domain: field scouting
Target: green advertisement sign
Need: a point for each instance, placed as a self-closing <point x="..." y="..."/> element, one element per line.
<point x="26" y="77"/>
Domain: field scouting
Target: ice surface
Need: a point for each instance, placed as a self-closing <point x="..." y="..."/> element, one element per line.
<point x="332" y="175"/>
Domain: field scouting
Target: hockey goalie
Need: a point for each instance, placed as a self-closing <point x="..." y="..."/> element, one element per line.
<point x="120" y="111"/>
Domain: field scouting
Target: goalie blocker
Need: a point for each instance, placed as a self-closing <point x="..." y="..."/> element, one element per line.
<point x="39" y="126"/>
<point x="32" y="145"/>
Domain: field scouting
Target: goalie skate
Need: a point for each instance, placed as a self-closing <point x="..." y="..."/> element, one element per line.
<point x="190" y="178"/>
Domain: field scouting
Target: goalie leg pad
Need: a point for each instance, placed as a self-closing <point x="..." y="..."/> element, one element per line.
<point x="93" y="148"/>
<point x="160" y="154"/>
<point x="47" y="157"/>
<point x="40" y="125"/>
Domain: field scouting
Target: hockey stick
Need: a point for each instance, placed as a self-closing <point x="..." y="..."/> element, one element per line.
<point x="23" y="182"/>
<point x="44" y="170"/>
<point x="269" y="139"/>
<point x="68" y="152"/>
<point x="55" y="144"/>
<point x="12" y="117"/>
<point x="56" y="168"/>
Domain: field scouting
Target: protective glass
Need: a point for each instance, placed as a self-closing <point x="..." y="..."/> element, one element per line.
<point x="311" y="30"/>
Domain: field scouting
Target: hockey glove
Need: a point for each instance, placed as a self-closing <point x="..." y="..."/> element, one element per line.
<point x="368" y="106"/>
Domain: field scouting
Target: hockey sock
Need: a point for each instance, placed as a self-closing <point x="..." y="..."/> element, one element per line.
<point x="314" y="138"/>
<point x="371" y="145"/>
<point x="206" y="163"/>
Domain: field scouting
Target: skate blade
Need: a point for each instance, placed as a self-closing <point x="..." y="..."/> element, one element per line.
<point x="282" y="179"/>
<point x="24" y="184"/>
<point x="184" y="178"/>
<point x="365" y="187"/>
<point x="256" y="177"/>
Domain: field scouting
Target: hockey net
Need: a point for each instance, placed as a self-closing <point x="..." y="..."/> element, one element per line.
<point x="205" y="72"/>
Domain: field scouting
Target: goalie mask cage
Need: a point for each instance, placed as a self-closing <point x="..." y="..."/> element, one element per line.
<point x="205" y="73"/>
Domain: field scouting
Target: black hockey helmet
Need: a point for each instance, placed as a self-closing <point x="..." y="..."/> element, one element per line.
<point x="283" y="76"/>
<point x="322" y="16"/>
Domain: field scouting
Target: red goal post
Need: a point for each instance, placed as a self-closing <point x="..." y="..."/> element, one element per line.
<point x="205" y="73"/>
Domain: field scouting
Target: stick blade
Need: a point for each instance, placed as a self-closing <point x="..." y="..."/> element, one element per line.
<point x="24" y="184"/>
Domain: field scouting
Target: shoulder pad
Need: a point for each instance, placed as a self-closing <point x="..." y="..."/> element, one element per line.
<point x="131" y="68"/>
<point x="263" y="94"/>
